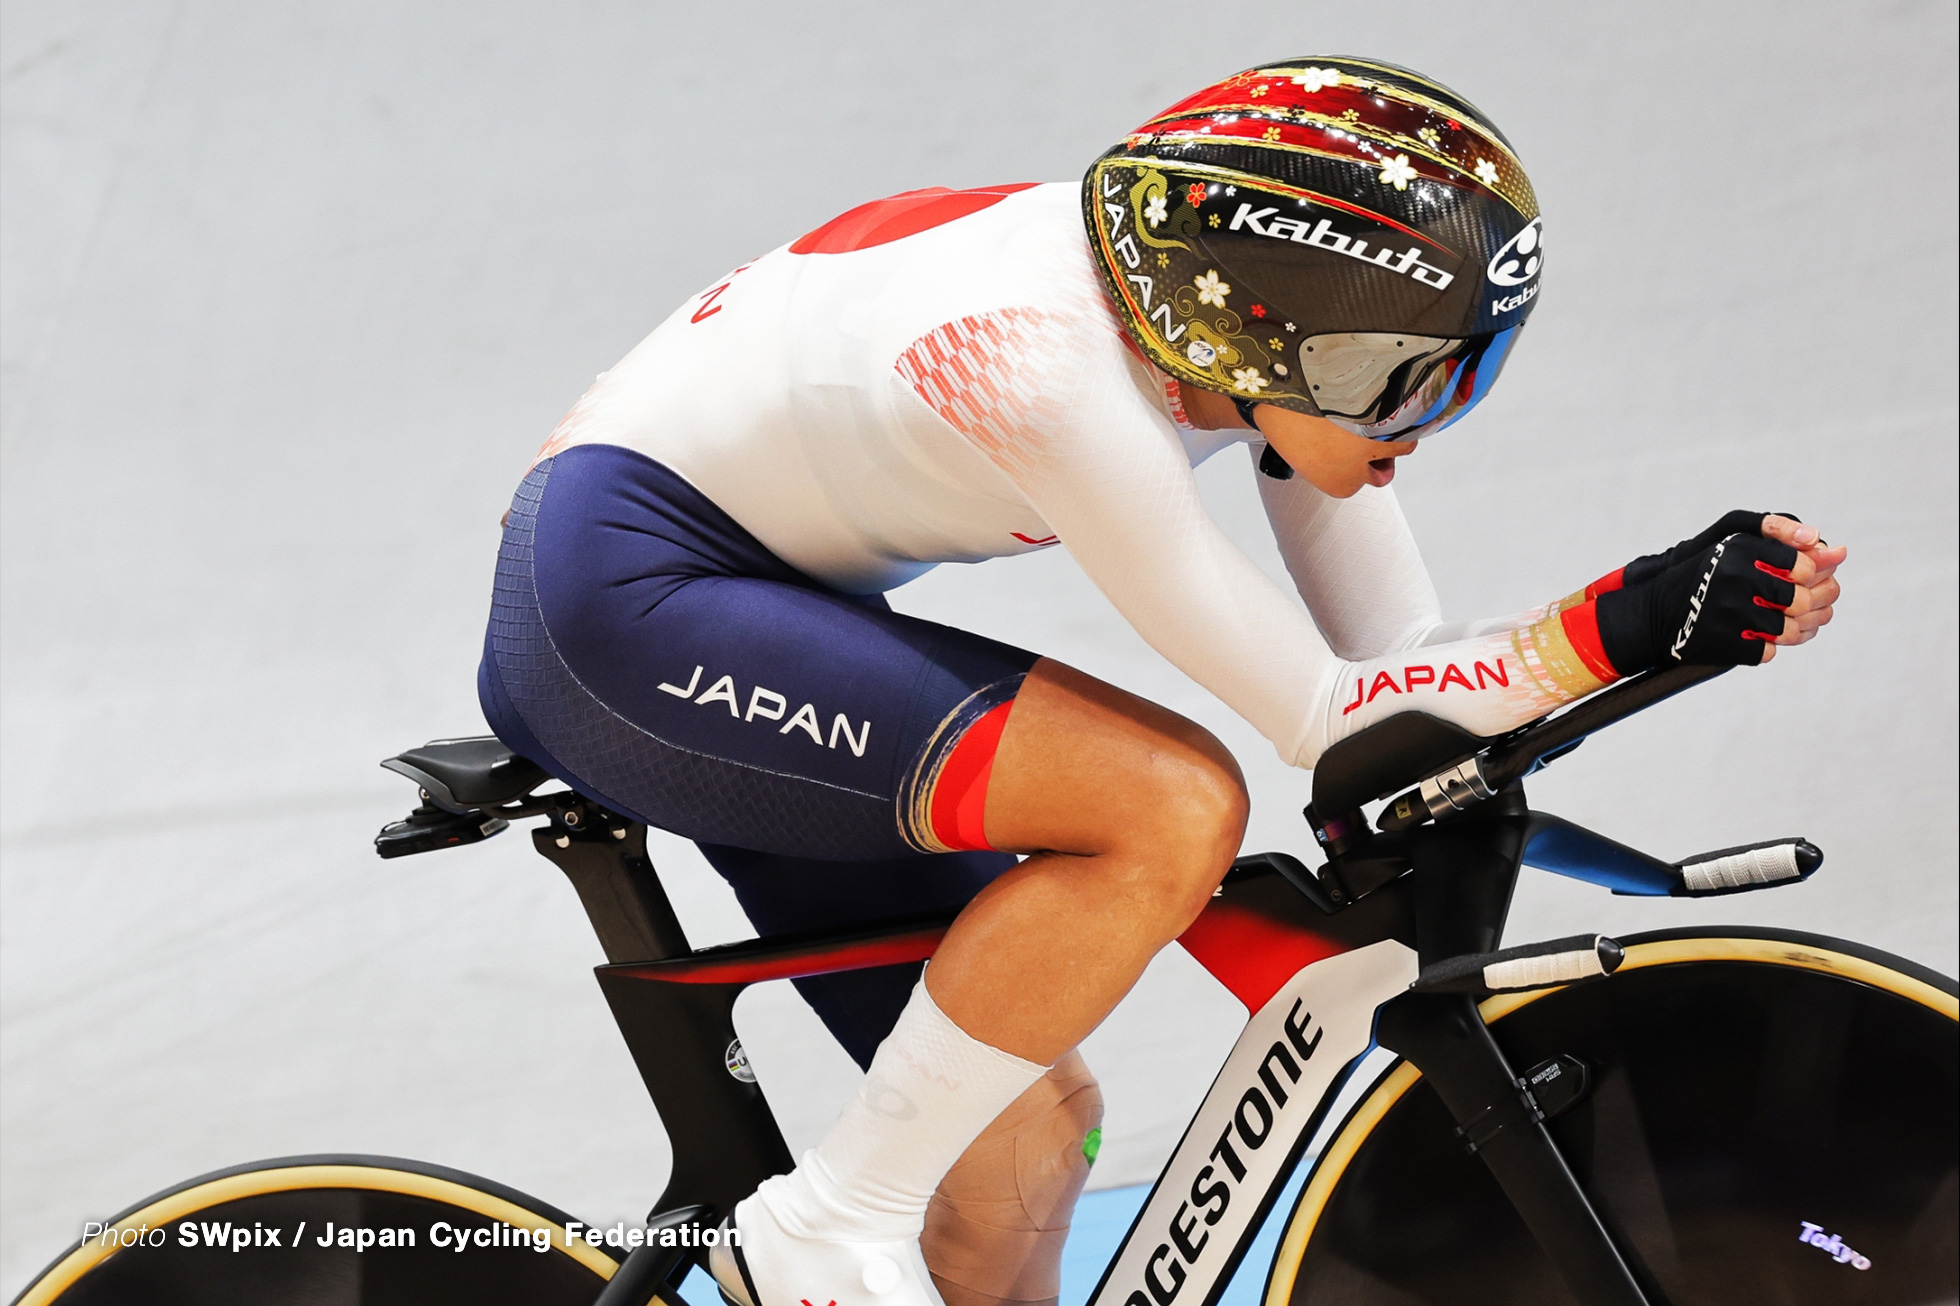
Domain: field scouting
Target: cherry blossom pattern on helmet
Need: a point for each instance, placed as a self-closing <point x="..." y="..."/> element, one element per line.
<point x="1240" y="229"/>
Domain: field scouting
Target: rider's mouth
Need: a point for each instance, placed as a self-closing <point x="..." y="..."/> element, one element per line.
<point x="1381" y="471"/>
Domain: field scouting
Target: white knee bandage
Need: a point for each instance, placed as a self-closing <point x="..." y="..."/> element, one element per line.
<point x="995" y="1229"/>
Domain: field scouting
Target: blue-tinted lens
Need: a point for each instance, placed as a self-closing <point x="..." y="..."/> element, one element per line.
<point x="1450" y="385"/>
<point x="1484" y="366"/>
<point x="1490" y="365"/>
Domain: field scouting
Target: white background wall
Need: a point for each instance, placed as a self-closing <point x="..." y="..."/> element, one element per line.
<point x="291" y="292"/>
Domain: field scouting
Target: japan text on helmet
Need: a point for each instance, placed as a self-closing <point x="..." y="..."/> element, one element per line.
<point x="1338" y="236"/>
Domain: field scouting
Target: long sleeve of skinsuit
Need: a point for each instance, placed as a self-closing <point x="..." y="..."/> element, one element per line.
<point x="1355" y="564"/>
<point x="1083" y="442"/>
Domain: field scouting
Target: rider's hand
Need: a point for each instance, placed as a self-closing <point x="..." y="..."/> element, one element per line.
<point x="1725" y="598"/>
<point x="1738" y="522"/>
<point x="1815" y="575"/>
<point x="1647" y="567"/>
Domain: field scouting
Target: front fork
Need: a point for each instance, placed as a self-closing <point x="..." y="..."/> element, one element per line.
<point x="1465" y="869"/>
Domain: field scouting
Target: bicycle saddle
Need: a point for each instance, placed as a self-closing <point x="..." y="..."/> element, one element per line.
<point x="461" y="774"/>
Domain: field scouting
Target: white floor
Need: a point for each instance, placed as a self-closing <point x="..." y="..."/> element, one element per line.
<point x="291" y="293"/>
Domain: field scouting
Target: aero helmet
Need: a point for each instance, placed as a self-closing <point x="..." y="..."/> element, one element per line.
<point x="1337" y="236"/>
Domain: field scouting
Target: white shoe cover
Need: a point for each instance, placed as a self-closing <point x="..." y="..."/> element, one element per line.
<point x="772" y="1267"/>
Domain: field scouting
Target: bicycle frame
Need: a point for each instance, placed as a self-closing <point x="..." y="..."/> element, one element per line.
<point x="1327" y="967"/>
<point x="1311" y="976"/>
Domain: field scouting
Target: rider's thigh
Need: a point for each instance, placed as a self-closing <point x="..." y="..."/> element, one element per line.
<point x="1086" y="768"/>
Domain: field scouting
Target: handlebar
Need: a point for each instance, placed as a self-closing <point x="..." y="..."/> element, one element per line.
<point x="1522" y="752"/>
<point x="1518" y="754"/>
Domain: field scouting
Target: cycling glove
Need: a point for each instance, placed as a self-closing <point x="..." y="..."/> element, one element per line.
<point x="1718" y="607"/>
<point x="1714" y="599"/>
<point x="1739" y="522"/>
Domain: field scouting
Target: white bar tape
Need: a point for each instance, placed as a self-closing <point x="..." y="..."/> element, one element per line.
<point x="1739" y="870"/>
<point x="1552" y="968"/>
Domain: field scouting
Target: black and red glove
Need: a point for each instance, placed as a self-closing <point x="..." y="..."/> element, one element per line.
<point x="1647" y="567"/>
<point x="1714" y="600"/>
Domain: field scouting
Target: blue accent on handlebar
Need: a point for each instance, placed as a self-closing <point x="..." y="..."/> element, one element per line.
<point x="1578" y="853"/>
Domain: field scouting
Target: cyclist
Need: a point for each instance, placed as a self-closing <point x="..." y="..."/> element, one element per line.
<point x="1326" y="260"/>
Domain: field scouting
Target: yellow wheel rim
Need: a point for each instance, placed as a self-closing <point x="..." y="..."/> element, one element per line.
<point x="283" y="1179"/>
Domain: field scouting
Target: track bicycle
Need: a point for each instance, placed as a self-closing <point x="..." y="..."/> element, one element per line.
<point x="1682" y="1117"/>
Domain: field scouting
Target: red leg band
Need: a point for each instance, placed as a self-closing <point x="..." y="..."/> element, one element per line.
<point x="959" y="797"/>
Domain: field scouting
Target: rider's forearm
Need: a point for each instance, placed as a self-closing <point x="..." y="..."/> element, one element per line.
<point x="1449" y="632"/>
<point x="1715" y="599"/>
<point x="1488" y="683"/>
<point x="1356" y="566"/>
<point x="1204" y="605"/>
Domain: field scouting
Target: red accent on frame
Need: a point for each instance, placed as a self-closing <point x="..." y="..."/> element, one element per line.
<point x="958" y="809"/>
<point x="1043" y="542"/>
<point x="882" y="221"/>
<point x="1582" y="629"/>
<point x="1252" y="954"/>
<point x="793" y="964"/>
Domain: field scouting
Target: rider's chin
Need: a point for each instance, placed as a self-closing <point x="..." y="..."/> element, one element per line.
<point x="1381" y="471"/>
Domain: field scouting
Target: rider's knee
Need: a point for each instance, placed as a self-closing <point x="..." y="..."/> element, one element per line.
<point x="995" y="1229"/>
<point x="1198" y="810"/>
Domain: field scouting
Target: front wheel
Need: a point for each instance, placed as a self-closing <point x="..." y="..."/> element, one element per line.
<point x="330" y="1231"/>
<point x="1771" y="1119"/>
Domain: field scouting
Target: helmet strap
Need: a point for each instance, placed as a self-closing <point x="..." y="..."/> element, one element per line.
<point x="1270" y="463"/>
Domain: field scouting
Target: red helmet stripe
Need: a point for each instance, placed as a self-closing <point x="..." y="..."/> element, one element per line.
<point x="1331" y="140"/>
<point x="1229" y="177"/>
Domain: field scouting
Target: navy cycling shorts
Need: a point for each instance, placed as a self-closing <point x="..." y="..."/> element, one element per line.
<point x="649" y="652"/>
<point x="679" y="672"/>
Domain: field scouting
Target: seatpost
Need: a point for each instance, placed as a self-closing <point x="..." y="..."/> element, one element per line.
<point x="605" y="858"/>
<point x="725" y="1140"/>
